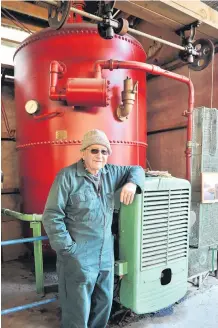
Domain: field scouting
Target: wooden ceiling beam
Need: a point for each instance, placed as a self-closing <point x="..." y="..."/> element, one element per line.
<point x="9" y="23"/>
<point x="23" y="7"/>
<point x="10" y="43"/>
<point x="174" y="14"/>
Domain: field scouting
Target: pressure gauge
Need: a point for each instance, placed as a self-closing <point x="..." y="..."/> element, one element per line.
<point x="32" y="106"/>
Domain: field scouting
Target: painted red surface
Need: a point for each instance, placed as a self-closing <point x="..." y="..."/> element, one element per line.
<point x="41" y="153"/>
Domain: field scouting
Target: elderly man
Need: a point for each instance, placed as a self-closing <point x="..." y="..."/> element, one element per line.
<point x="77" y="218"/>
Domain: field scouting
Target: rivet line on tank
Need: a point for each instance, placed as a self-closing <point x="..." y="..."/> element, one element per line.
<point x="78" y="142"/>
<point x="55" y="33"/>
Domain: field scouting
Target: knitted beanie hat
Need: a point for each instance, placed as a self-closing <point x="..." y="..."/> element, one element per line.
<point x="95" y="137"/>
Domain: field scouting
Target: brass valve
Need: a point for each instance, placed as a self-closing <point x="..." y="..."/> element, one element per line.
<point x="128" y="99"/>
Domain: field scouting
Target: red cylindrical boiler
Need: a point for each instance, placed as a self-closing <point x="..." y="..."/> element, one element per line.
<point x="50" y="139"/>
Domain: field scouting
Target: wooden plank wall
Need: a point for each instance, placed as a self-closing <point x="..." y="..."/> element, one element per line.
<point x="11" y="228"/>
<point x="166" y="101"/>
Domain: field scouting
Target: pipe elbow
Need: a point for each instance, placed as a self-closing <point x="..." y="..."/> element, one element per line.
<point x="123" y="111"/>
<point x="56" y="67"/>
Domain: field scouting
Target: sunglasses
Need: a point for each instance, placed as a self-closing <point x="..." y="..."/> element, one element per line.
<point x="95" y="151"/>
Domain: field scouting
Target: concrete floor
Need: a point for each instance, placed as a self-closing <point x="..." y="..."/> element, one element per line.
<point x="198" y="310"/>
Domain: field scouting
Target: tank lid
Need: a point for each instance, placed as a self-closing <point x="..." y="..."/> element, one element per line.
<point x="81" y="28"/>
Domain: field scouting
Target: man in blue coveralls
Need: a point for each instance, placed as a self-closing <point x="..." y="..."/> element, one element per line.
<point x="77" y="218"/>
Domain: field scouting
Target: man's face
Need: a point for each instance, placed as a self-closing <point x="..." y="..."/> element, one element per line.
<point x="95" y="157"/>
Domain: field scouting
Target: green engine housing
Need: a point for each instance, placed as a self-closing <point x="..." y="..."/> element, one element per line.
<point x="153" y="245"/>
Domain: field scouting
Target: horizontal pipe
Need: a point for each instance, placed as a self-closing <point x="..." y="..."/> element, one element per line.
<point x="48" y="115"/>
<point x="151" y="37"/>
<point x="85" y="14"/>
<point x="130" y="30"/>
<point x="8" y="139"/>
<point x="167" y="130"/>
<point x="22" y="240"/>
<point x="27" y="306"/>
<point x="10" y="192"/>
<point x="21" y="216"/>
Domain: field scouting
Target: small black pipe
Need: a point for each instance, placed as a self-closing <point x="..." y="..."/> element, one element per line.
<point x="10" y="192"/>
<point x="8" y="139"/>
<point x="167" y="130"/>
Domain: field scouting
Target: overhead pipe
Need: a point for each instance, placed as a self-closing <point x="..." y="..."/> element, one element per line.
<point x="78" y="9"/>
<point x="134" y="32"/>
<point x="115" y="64"/>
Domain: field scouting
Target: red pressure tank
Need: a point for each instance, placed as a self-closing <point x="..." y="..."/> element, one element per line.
<point x="48" y="141"/>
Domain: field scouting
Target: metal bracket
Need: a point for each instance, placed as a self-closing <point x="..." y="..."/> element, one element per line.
<point x="189" y="54"/>
<point x="189" y="27"/>
<point x="109" y="26"/>
<point x="106" y="27"/>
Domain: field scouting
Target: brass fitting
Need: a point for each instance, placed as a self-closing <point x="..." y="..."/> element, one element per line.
<point x="128" y="99"/>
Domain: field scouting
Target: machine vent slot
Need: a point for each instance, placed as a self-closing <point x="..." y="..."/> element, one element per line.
<point x="164" y="227"/>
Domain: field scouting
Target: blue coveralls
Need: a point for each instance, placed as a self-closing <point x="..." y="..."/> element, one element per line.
<point x="78" y="219"/>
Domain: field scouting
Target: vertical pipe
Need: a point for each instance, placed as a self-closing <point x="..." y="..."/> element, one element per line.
<point x="56" y="71"/>
<point x="115" y="64"/>
<point x="38" y="258"/>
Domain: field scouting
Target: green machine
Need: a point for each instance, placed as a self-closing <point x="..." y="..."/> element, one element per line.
<point x="153" y="246"/>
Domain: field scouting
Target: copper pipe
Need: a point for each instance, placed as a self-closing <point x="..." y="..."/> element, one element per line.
<point x="115" y="64"/>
